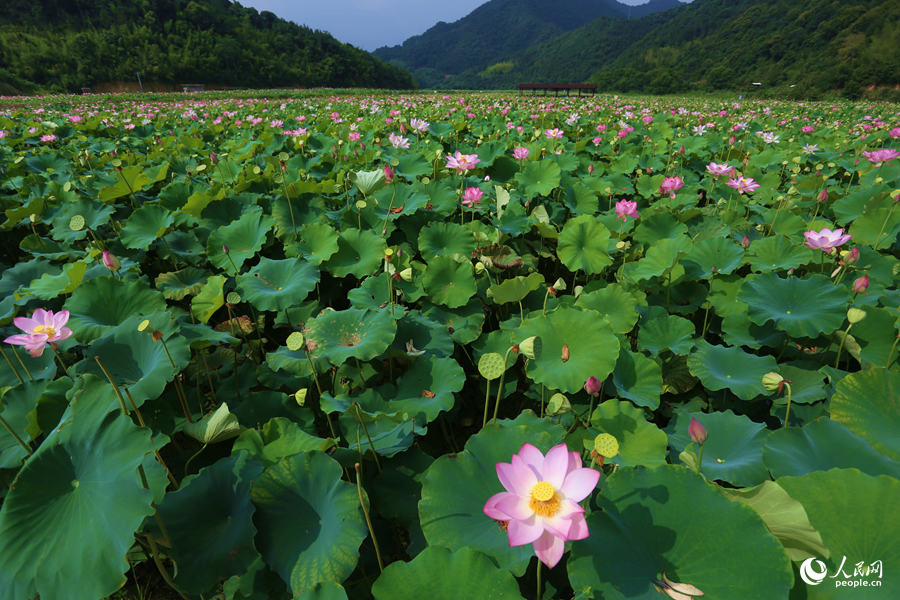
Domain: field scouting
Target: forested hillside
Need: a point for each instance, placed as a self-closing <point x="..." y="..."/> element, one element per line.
<point x="62" y="45"/>
<point x="498" y="29"/>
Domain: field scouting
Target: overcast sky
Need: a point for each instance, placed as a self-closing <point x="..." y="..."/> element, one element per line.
<point x="370" y="24"/>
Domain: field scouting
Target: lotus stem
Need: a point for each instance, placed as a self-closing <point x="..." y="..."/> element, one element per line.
<point x="362" y="504"/>
<point x="159" y="457"/>
<point x="787" y="413"/>
<point x="538" y="595"/>
<point x="12" y="367"/>
<point x="841" y="347"/>
<point x="368" y="437"/>
<point x="59" y="358"/>
<point x="16" y="436"/>
<point x="487" y="401"/>
<point x="19" y="358"/>
<point x="891" y="353"/>
<point x="500" y="389"/>
<point x="178" y="389"/>
<point x="290" y="206"/>
<point x="699" y="459"/>
<point x="113" y="384"/>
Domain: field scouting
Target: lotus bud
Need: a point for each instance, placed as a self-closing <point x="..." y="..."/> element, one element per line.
<point x="745" y="242"/>
<point x="861" y="284"/>
<point x="388" y="174"/>
<point x="112" y="263"/>
<point x="224" y="248"/>
<point x="823" y="196"/>
<point x="592" y="386"/>
<point x="560" y="285"/>
<point x="590" y="168"/>
<point x="852" y="257"/>
<point x="772" y="381"/>
<point x="527" y="347"/>
<point x="697" y="432"/>
<point x="855" y="315"/>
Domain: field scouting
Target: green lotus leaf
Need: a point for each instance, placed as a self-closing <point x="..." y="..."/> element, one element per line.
<point x="583" y="245"/>
<point x="661" y="257"/>
<point x="372" y="294"/>
<point x="646" y="528"/>
<point x="324" y="590"/>
<point x="539" y="177"/>
<point x="209" y="520"/>
<point x="279" y="438"/>
<point x="105" y="302"/>
<point x="130" y="180"/>
<point x="278" y="284"/>
<point x="878" y="226"/>
<point x="243" y="238"/>
<point x="94" y="216"/>
<point x="576" y="344"/>
<point x="821" y="445"/>
<point x="777" y="253"/>
<point x="445" y="239"/>
<point x="391" y="431"/>
<point x="177" y="285"/>
<point x="424" y="334"/>
<point x="801" y="307"/>
<point x="515" y="289"/>
<point x="439" y="574"/>
<point x="87" y="468"/>
<point x="657" y="227"/>
<point x="640" y="442"/>
<point x="368" y="181"/>
<point x="807" y="386"/>
<point x="342" y="334"/>
<point x="866" y="403"/>
<point x="732" y="369"/>
<point x="455" y="488"/>
<point x="847" y="508"/>
<point x="217" y="426"/>
<point x="739" y="330"/>
<point x="48" y="287"/>
<point x="310" y="523"/>
<point x="667" y="333"/>
<point x="360" y="253"/>
<point x="317" y="243"/>
<point x="15" y="404"/>
<point x="713" y="256"/>
<point x="146" y="225"/>
<point x="428" y="388"/>
<point x="464" y="323"/>
<point x="784" y="517"/>
<point x="449" y="282"/>
<point x="209" y="298"/>
<point x="638" y="378"/>
<point x="733" y="450"/>
<point x="614" y="303"/>
<point x="876" y="335"/>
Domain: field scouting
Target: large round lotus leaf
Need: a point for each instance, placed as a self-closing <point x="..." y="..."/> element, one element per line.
<point x="713" y="256"/>
<point x="821" y="445"/>
<point x="866" y="403"/>
<point x="373" y="292"/>
<point x="209" y="520"/>
<point x="455" y="488"/>
<point x="342" y="334"/>
<point x="278" y="284"/>
<point x="243" y="238"/>
<point x="428" y="387"/>
<point x="801" y="307"/>
<point x="360" y="253"/>
<point x="71" y="513"/>
<point x="209" y="298"/>
<point x="667" y="332"/>
<point x="576" y="344"/>
<point x="583" y="245"/>
<point x="777" y="253"/>
<point x="854" y="513"/>
<point x="316" y="243"/>
<point x="177" y="285"/>
<point x="15" y="404"/>
<point x="146" y="225"/>
<point x="660" y="226"/>
<point x="424" y="335"/>
<point x="439" y="574"/>
<point x="660" y="257"/>
<point x="614" y="303"/>
<point x="105" y="302"/>
<point x="324" y="590"/>
<point x="279" y="438"/>
<point x="876" y="335"/>
<point x="515" y="289"/>
<point x="733" y="450"/>
<point x="464" y="323"/>
<point x="448" y="282"/>
<point x="391" y="431"/>
<point x="638" y="378"/>
<point x="310" y="522"/>
<point x="659" y="519"/>
<point x="539" y="177"/>
<point x="732" y="369"/>
<point x="640" y="442"/>
<point x="135" y="361"/>
<point x="94" y="216"/>
<point x="445" y="239"/>
<point x="807" y="386"/>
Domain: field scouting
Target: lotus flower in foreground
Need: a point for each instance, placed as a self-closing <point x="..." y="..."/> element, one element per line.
<point x="540" y="504"/>
<point x="826" y="239"/>
<point x="41" y="328"/>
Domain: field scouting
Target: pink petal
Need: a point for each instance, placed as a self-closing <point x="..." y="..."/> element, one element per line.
<point x="63" y="334"/>
<point x="549" y="549"/>
<point x="558" y="525"/>
<point x="491" y="510"/>
<point x="517" y="507"/>
<point x="532" y="456"/>
<point x="516" y="480"/>
<point x="525" y="475"/>
<point x="579" y="483"/>
<point x="575" y="461"/>
<point x="568" y="509"/>
<point x="524" y="532"/>
<point x="579" y="529"/>
<point x="60" y="319"/>
<point x="42" y="316"/>
<point x="25" y="324"/>
<point x="556" y="465"/>
<point x="20" y="339"/>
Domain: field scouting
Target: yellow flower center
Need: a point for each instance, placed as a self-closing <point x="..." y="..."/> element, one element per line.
<point x="48" y="331"/>
<point x="544" y="500"/>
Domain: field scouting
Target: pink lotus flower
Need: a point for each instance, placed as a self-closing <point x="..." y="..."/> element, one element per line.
<point x="881" y="156"/>
<point x="462" y="162"/>
<point x="48" y="137"/>
<point x="826" y="239"/>
<point x="41" y="328"/>
<point x="625" y="209"/>
<point x="716" y="169"/>
<point x="894" y="133"/>
<point x="861" y="284"/>
<point x="807" y="129"/>
<point x="744" y="185"/>
<point x="472" y="196"/>
<point x="354" y="136"/>
<point x="554" y="134"/>
<point x="540" y="504"/>
<point x="388" y="174"/>
<point x="670" y="185"/>
<point x="521" y="153"/>
<point x="592" y="386"/>
<point x="110" y="261"/>
<point x="697" y="431"/>
<point x="398" y="141"/>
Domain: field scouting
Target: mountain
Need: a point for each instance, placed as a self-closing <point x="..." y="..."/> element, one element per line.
<point x="814" y="45"/>
<point x="63" y="45"/>
<point x="499" y="29"/>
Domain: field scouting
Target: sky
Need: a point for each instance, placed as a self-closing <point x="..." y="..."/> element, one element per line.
<point x="370" y="24"/>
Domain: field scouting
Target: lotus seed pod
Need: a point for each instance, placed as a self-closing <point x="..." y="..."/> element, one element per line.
<point x="530" y="347"/>
<point x="295" y="341"/>
<point x="771" y="381"/>
<point x="855" y="315"/>
<point x="491" y="366"/>
<point x="143" y="325"/>
<point x="558" y="404"/>
<point x="606" y="445"/>
<point x="76" y="223"/>
<point x="233" y="298"/>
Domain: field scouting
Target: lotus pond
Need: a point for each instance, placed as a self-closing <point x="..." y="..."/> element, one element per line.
<point x="447" y="346"/>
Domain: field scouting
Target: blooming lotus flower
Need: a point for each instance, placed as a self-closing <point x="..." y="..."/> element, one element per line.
<point x="41" y="328"/>
<point x="554" y="134"/>
<point x="717" y="169"/>
<point x="418" y="124"/>
<point x="398" y="141"/>
<point x="472" y="196"/>
<point x="462" y="162"/>
<point x="670" y="185"/>
<point x="826" y="239"/>
<point x="521" y="153"/>
<point x="744" y="185"/>
<point x="881" y="156"/>
<point x="540" y="504"/>
<point x="625" y="209"/>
